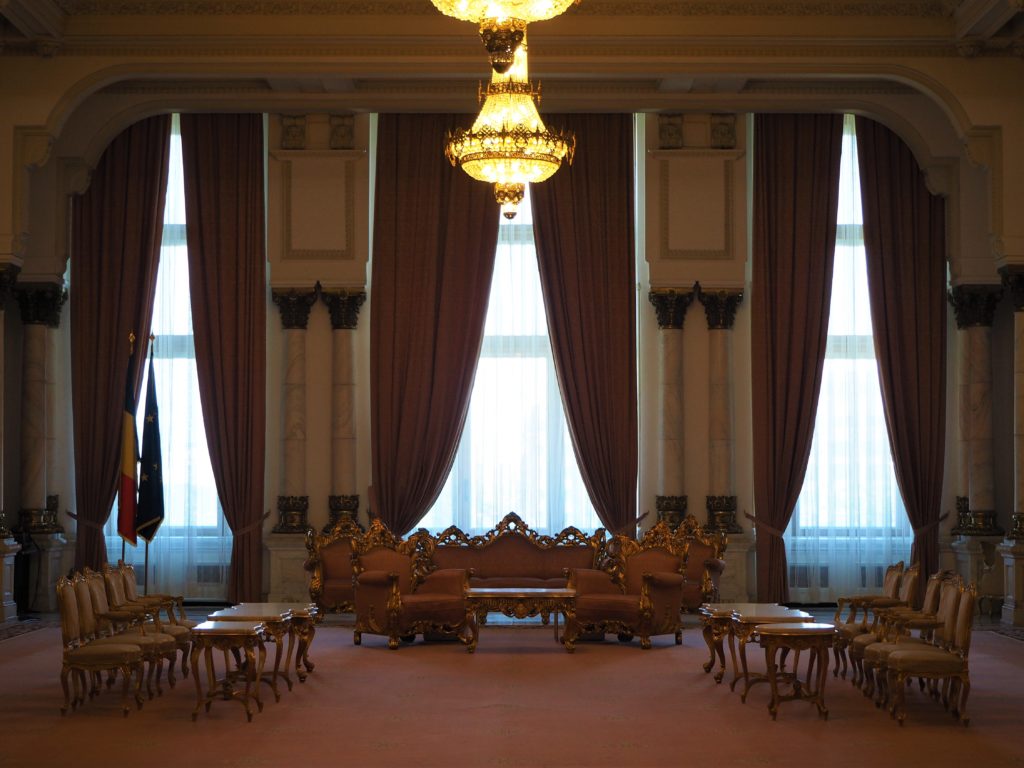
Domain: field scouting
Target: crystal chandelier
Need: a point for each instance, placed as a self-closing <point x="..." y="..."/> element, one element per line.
<point x="508" y="145"/>
<point x="502" y="22"/>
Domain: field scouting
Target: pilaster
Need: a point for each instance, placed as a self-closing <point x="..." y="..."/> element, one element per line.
<point x="670" y="307"/>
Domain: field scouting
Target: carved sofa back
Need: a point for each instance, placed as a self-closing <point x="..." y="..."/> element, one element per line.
<point x="703" y="563"/>
<point x="513" y="555"/>
<point x="329" y="561"/>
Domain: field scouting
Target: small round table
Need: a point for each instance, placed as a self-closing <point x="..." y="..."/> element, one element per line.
<point x="812" y="636"/>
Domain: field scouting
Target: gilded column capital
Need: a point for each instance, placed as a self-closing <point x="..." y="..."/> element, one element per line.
<point x="344" y="307"/>
<point x="8" y="278"/>
<point x="722" y="514"/>
<point x="670" y="307"/>
<point x="294" y="306"/>
<point x="293" y="511"/>
<point x="671" y="509"/>
<point x="719" y="306"/>
<point x="41" y="303"/>
<point x="1013" y="282"/>
<point x="342" y="506"/>
<point x="974" y="305"/>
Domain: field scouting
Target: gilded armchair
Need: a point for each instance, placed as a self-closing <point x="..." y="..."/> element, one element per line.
<point x="396" y="597"/>
<point x="640" y="594"/>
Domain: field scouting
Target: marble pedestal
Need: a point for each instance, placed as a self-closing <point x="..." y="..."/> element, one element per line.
<point x="8" y="608"/>
<point x="1012" y="552"/>
<point x="978" y="562"/>
<point x="736" y="585"/>
<point x="45" y="567"/>
<point x="289" y="581"/>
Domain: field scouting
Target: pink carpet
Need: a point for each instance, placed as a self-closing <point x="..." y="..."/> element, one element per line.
<point x="519" y="701"/>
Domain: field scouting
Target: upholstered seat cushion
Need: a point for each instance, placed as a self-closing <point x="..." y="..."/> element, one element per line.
<point x="156" y="641"/>
<point x="850" y="631"/>
<point x="436" y="608"/>
<point x="607" y="607"/>
<point x="99" y="655"/>
<point x="880" y="651"/>
<point x="516" y="581"/>
<point x="927" y="660"/>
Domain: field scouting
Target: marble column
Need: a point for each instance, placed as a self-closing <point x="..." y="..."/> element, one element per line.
<point x="720" y="311"/>
<point x="9" y="547"/>
<point x="40" y="306"/>
<point x="343" y="306"/>
<point x="293" y="502"/>
<point x="974" y="307"/>
<point x="1011" y="550"/>
<point x="670" y="308"/>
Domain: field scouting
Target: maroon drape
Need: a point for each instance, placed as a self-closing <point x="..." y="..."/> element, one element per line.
<point x="116" y="229"/>
<point x="223" y="165"/>
<point x="905" y="240"/>
<point x="583" y="224"/>
<point x="796" y="193"/>
<point x="434" y="238"/>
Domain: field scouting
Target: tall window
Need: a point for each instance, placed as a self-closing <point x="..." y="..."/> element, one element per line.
<point x="190" y="552"/>
<point x="515" y="454"/>
<point x="849" y="522"/>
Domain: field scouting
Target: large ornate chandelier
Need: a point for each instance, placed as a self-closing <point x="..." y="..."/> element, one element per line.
<point x="509" y="145"/>
<point x="502" y="22"/>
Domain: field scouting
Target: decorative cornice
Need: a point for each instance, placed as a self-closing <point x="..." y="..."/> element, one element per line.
<point x="294" y="306"/>
<point x="40" y="303"/>
<point x="8" y="278"/>
<point x="869" y="8"/>
<point x="344" y="307"/>
<point x="974" y="305"/>
<point x="670" y="307"/>
<point x="719" y="306"/>
<point x="1013" y="282"/>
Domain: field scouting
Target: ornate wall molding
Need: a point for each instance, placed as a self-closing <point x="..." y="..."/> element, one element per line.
<point x="293" y="131"/>
<point x="344" y="308"/>
<point x="725" y="159"/>
<point x="295" y="165"/>
<point x="670" y="307"/>
<point x="41" y="303"/>
<point x="974" y="305"/>
<point x="294" y="306"/>
<point x="719" y="306"/>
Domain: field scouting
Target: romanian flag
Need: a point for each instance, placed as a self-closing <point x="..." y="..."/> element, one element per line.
<point x="126" y="503"/>
<point x="150" y="511"/>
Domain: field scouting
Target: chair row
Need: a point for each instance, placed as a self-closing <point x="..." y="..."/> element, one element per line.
<point x="931" y="644"/>
<point x="107" y="628"/>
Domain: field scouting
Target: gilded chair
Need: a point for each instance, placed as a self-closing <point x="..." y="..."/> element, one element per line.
<point x="936" y="664"/>
<point x="855" y="622"/>
<point x="331" y="580"/>
<point x="878" y="610"/>
<point x="395" y="597"/>
<point x="136" y="625"/>
<point x="639" y="595"/>
<point x="177" y="624"/>
<point x="703" y="563"/>
<point x="81" y="657"/>
<point x="932" y="630"/>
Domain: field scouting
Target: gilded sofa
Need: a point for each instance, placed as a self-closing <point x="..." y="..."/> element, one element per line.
<point x="703" y="551"/>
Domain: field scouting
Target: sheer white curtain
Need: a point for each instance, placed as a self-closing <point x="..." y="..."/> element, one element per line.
<point x="849" y="522"/>
<point x="515" y="454"/>
<point x="190" y="552"/>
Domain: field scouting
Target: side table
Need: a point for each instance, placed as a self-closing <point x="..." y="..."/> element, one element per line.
<point x="812" y="636"/>
<point x="245" y="638"/>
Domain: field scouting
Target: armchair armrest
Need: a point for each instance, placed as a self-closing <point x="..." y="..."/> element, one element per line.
<point x="376" y="579"/>
<point x="593" y="581"/>
<point x="714" y="566"/>
<point x="445" y="581"/>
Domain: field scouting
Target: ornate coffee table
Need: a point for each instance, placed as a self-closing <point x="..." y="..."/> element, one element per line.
<point x="517" y="602"/>
<point x="717" y="621"/>
<point x="237" y="637"/>
<point x="745" y="623"/>
<point x="815" y="637"/>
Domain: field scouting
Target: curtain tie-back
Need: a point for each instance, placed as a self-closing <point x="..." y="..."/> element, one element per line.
<point x="252" y="526"/>
<point x="83" y="522"/>
<point x="761" y="525"/>
<point x="918" y="532"/>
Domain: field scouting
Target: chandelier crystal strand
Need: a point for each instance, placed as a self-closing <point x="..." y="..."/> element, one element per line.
<point x="509" y="145"/>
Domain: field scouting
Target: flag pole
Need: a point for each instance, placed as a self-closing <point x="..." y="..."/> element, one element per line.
<point x="145" y="571"/>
